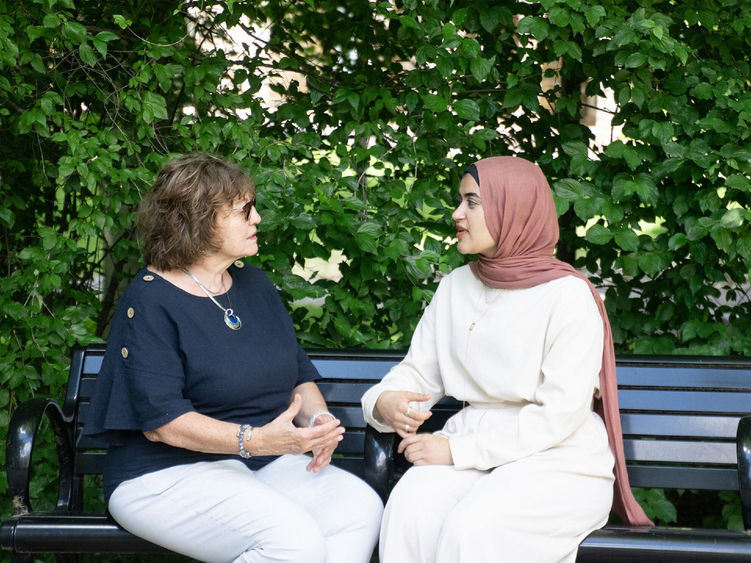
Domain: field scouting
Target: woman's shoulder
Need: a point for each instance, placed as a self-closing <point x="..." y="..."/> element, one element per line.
<point x="570" y="283"/>
<point x="459" y="276"/>
<point x="247" y="274"/>
<point x="572" y="293"/>
<point x="144" y="286"/>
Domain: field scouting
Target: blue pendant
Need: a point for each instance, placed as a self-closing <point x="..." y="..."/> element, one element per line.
<point x="232" y="320"/>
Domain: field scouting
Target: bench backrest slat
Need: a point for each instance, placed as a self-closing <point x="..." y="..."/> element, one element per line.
<point x="684" y="401"/>
<point x="682" y="477"/>
<point x="677" y="451"/>
<point x="640" y="424"/>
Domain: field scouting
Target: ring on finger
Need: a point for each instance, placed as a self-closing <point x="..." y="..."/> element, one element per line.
<point x="406" y="427"/>
<point x="409" y="409"/>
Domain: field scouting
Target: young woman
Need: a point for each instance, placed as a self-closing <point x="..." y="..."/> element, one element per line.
<point x="525" y="470"/>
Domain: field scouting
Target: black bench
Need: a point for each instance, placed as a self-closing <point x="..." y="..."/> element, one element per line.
<point x="679" y="415"/>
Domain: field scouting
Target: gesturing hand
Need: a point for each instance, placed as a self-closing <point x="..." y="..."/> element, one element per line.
<point x="322" y="455"/>
<point x="395" y="409"/>
<point x="281" y="436"/>
<point x="426" y="449"/>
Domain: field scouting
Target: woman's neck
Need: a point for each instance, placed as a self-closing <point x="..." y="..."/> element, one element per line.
<point x="209" y="272"/>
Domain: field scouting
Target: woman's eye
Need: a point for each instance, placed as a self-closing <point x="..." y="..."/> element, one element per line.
<point x="471" y="203"/>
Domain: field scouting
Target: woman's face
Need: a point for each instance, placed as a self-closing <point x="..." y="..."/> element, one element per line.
<point x="471" y="230"/>
<point x="237" y="229"/>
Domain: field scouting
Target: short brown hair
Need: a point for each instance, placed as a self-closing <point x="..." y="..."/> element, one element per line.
<point x="177" y="219"/>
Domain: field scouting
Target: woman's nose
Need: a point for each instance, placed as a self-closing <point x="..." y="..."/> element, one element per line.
<point x="255" y="217"/>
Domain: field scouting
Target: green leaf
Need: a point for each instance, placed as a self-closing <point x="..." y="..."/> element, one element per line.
<point x="646" y="188"/>
<point x="7" y="217"/>
<point x="599" y="234"/>
<point x="50" y="21"/>
<point x="121" y="21"/>
<point x="489" y="20"/>
<point x="467" y="109"/>
<point x="445" y="66"/>
<point x="588" y="207"/>
<point x="594" y="14"/>
<point x="480" y="68"/>
<point x="106" y="36"/>
<point x="703" y="91"/>
<point x="434" y="103"/>
<point x="559" y="16"/>
<point x="733" y="218"/>
<point x="573" y="148"/>
<point x="74" y="32"/>
<point x="539" y="27"/>
<point x="632" y="157"/>
<point x="635" y="60"/>
<point x="627" y="239"/>
<point x="650" y="263"/>
<point x="87" y="54"/>
<point x="677" y="241"/>
<point x="568" y="189"/>
<point x="366" y="236"/>
<point x="738" y="182"/>
<point x="154" y="107"/>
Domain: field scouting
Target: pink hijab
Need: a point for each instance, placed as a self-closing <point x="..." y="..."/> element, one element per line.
<point x="520" y="215"/>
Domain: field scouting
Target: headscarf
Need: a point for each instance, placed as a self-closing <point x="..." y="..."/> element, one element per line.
<point x="521" y="217"/>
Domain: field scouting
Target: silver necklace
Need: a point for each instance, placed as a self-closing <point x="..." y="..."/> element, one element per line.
<point x="489" y="300"/>
<point x="230" y="319"/>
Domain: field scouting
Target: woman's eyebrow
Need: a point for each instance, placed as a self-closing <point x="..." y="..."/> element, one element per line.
<point x="471" y="194"/>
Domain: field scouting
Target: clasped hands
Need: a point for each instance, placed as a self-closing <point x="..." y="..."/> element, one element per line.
<point x="419" y="449"/>
<point x="281" y="436"/>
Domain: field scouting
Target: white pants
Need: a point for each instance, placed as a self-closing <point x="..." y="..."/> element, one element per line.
<point x="222" y="511"/>
<point x="534" y="510"/>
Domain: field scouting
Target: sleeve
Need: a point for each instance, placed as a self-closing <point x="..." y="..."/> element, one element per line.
<point x="306" y="371"/>
<point x="571" y="362"/>
<point x="141" y="383"/>
<point x="418" y="371"/>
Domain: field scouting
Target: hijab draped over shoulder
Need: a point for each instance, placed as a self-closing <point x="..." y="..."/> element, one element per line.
<point x="521" y="217"/>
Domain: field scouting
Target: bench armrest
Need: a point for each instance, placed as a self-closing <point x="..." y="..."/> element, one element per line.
<point x="19" y="446"/>
<point x="743" y="445"/>
<point x="379" y="460"/>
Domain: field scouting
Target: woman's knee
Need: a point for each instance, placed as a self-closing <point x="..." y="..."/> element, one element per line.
<point x="368" y="507"/>
<point x="291" y="538"/>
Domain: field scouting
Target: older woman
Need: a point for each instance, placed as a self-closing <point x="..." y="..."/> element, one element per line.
<point x="208" y="403"/>
<point x="525" y="470"/>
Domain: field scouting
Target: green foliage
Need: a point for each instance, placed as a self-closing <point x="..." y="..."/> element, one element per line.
<point x="375" y="109"/>
<point x="656" y="506"/>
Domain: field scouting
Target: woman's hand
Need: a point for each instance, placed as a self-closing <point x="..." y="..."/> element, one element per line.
<point x="281" y="436"/>
<point x="322" y="455"/>
<point x="426" y="449"/>
<point x="395" y="410"/>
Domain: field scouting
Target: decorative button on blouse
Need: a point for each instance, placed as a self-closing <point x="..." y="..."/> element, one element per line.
<point x="124" y="352"/>
<point x="239" y="264"/>
<point x="131" y="312"/>
<point x="148" y="277"/>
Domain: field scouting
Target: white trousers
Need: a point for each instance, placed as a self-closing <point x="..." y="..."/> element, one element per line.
<point x="222" y="511"/>
<point x="535" y="510"/>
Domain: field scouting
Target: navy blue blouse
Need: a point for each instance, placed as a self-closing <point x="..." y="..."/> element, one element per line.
<point x="169" y="353"/>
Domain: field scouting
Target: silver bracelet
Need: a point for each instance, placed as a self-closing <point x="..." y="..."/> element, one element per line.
<point x="241" y="439"/>
<point x="316" y="415"/>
